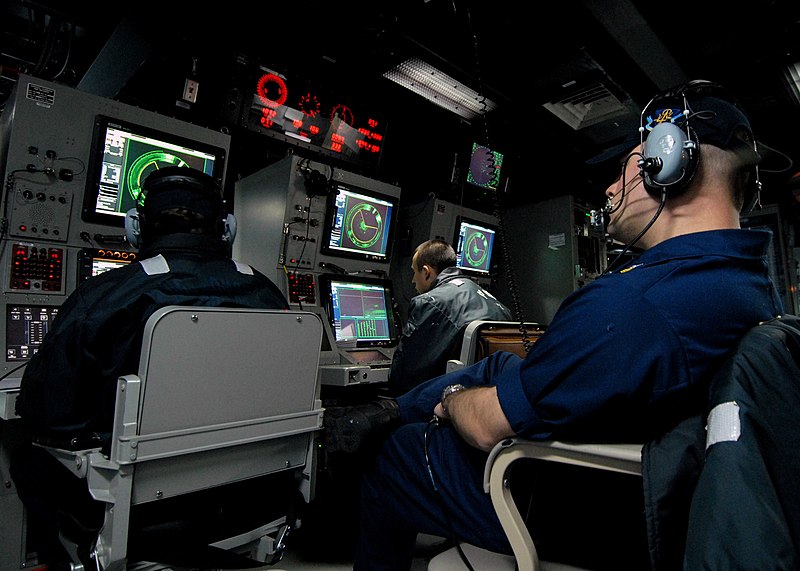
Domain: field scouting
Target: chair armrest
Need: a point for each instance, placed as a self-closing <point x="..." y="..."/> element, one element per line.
<point x="76" y="461"/>
<point x="624" y="458"/>
<point x="454" y="365"/>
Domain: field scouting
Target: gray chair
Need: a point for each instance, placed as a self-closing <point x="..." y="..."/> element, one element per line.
<point x="720" y="486"/>
<point x="223" y="397"/>
<point x="481" y="339"/>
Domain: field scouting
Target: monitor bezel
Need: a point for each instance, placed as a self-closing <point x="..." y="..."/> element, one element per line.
<point x="324" y="282"/>
<point x="456" y="243"/>
<point x="330" y="209"/>
<point x="94" y="170"/>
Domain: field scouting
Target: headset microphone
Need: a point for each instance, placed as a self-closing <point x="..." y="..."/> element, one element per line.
<point x="597" y="217"/>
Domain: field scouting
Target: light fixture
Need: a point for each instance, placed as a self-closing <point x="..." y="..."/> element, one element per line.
<point x="792" y="77"/>
<point x="439" y="88"/>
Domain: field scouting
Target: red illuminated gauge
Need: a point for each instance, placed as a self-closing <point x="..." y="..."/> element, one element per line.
<point x="309" y="105"/>
<point x="344" y="113"/>
<point x="271" y="89"/>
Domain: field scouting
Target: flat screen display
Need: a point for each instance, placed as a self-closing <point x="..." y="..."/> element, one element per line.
<point x="124" y="154"/>
<point x="485" y="167"/>
<point x="26" y="327"/>
<point x="359" y="310"/>
<point x="359" y="224"/>
<point x="474" y="243"/>
<point x="95" y="261"/>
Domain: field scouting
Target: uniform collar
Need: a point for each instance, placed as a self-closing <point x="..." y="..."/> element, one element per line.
<point x="736" y="243"/>
<point x="193" y="243"/>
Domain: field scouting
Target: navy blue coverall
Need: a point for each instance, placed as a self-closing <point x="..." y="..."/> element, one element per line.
<point x="624" y="357"/>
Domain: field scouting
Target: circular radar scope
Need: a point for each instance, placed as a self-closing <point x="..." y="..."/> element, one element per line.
<point x="364" y="225"/>
<point x="146" y="164"/>
<point x="477" y="249"/>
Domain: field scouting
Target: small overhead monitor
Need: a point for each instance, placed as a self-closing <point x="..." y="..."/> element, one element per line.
<point x="474" y="245"/>
<point x="123" y="154"/>
<point x="485" y="167"/>
<point x="359" y="224"/>
<point x="359" y="310"/>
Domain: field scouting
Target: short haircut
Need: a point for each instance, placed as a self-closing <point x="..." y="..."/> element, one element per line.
<point x="437" y="254"/>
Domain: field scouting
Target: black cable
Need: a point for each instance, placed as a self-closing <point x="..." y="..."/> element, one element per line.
<point x="630" y="244"/>
<point x="433" y="423"/>
<point x="505" y="252"/>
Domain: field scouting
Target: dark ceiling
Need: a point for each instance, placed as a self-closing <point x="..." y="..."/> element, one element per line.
<point x="520" y="55"/>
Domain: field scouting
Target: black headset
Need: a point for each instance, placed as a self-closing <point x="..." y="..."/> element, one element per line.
<point x="184" y="178"/>
<point x="670" y="154"/>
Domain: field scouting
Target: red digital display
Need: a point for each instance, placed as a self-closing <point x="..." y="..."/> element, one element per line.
<point x="314" y="120"/>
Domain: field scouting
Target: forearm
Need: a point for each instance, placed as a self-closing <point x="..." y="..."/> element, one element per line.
<point x="477" y="416"/>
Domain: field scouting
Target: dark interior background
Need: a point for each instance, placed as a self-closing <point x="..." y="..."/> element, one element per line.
<point x="520" y="55"/>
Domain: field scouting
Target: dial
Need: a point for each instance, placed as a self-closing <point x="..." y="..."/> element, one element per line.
<point x="309" y="105"/>
<point x="344" y="113"/>
<point x="271" y="89"/>
<point x="363" y="225"/>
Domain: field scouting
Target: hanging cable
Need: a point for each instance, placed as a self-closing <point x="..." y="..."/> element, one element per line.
<point x="508" y="267"/>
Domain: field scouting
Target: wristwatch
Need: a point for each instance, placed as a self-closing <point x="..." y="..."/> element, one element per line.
<point x="449" y="390"/>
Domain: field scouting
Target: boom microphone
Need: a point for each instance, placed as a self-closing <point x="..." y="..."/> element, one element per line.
<point x="597" y="217"/>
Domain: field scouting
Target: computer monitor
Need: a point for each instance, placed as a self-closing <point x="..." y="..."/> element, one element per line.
<point x="95" y="261"/>
<point x="474" y="244"/>
<point x="26" y="327"/>
<point x="123" y="154"/>
<point x="359" y="310"/>
<point x="359" y="224"/>
<point x="485" y="167"/>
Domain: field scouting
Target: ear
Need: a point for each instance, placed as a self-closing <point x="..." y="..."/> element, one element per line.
<point x="229" y="232"/>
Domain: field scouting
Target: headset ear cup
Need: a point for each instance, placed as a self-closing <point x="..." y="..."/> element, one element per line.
<point x="677" y="152"/>
<point x="229" y="232"/>
<point x="132" y="227"/>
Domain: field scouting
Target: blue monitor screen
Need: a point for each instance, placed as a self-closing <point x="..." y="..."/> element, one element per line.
<point x="474" y="245"/>
<point x="360" y="309"/>
<point x="124" y="154"/>
<point x="359" y="224"/>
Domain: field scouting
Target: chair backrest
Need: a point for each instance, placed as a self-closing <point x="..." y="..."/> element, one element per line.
<point x="212" y="365"/>
<point x="491" y="336"/>
<point x="223" y="396"/>
<point x="484" y="337"/>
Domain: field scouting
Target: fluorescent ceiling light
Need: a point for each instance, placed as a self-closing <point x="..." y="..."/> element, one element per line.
<point x="792" y="77"/>
<point x="439" y="88"/>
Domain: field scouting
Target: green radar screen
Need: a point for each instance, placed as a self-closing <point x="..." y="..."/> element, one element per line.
<point x="476" y="251"/>
<point x="143" y="166"/>
<point x="474" y="247"/>
<point x="360" y="224"/>
<point x="363" y="225"/>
